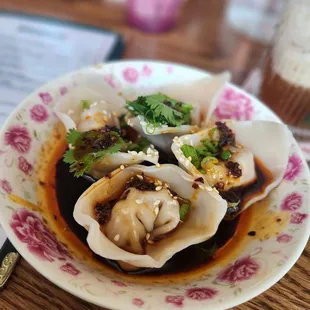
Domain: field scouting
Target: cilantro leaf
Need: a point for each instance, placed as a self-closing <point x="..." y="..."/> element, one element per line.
<point x="190" y="151"/>
<point x="162" y="112"/>
<point x="68" y="157"/>
<point x="159" y="109"/>
<point x="141" y="145"/>
<point x="73" y="135"/>
<point x="89" y="147"/>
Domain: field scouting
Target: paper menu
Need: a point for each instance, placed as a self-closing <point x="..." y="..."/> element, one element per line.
<point x="34" y="50"/>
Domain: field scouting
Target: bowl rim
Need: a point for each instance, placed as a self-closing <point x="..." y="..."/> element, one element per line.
<point x="262" y="286"/>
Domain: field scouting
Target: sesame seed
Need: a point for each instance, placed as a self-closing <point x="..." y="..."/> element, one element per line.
<point x="166" y="185"/>
<point x="175" y="197"/>
<point x="116" y="238"/>
<point x="140" y="153"/>
<point x="139" y="201"/>
<point x="140" y="176"/>
<point x="176" y="139"/>
<point x="134" y="153"/>
<point x="122" y="167"/>
<point x="201" y="186"/>
<point x="158" y="188"/>
<point x="156" y="203"/>
<point x="187" y="162"/>
<point x="215" y="190"/>
<point x="189" y="158"/>
<point x="93" y="104"/>
<point x="150" y="241"/>
<point x="106" y="119"/>
<point x="114" y="113"/>
<point x="157" y="165"/>
<point x="105" y="112"/>
<point x="152" y="145"/>
<point x="156" y="210"/>
<point x="147" y="236"/>
<point x="70" y="112"/>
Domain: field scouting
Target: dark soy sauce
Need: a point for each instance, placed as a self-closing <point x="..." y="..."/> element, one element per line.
<point x="69" y="189"/>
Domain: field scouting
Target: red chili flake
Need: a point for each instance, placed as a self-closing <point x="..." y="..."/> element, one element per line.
<point x="195" y="185"/>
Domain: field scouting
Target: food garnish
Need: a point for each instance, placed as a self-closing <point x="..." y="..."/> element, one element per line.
<point x="159" y="109"/>
<point x="87" y="148"/>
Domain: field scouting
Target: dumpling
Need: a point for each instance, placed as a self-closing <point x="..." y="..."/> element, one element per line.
<point x="92" y="110"/>
<point x="98" y="152"/>
<point x="144" y="215"/>
<point x="228" y="155"/>
<point x="90" y="106"/>
<point x="153" y="212"/>
<point x="193" y="101"/>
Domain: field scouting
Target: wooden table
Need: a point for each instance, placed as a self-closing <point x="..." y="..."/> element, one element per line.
<point x="201" y="39"/>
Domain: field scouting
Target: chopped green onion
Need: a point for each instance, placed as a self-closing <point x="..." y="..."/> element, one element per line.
<point x="202" y="150"/>
<point x="85" y="104"/>
<point x="184" y="210"/>
<point x="225" y="155"/>
<point x="210" y="146"/>
<point x="202" y="171"/>
<point x="233" y="204"/>
<point x="209" y="159"/>
<point x="190" y="151"/>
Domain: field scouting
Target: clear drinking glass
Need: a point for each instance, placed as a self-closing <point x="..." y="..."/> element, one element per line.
<point x="153" y="15"/>
<point x="286" y="76"/>
<point x="254" y="18"/>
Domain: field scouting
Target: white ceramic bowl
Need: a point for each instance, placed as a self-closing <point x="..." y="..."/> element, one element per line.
<point x="252" y="266"/>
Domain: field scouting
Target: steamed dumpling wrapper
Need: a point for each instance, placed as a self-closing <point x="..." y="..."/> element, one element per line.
<point x="201" y="95"/>
<point x="91" y="105"/>
<point x="234" y="164"/>
<point x="144" y="228"/>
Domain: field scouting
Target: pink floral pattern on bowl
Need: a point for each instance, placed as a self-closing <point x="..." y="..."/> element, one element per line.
<point x="38" y="113"/>
<point x="31" y="125"/>
<point x="292" y="202"/>
<point x="234" y="105"/>
<point x="18" y="138"/>
<point x="131" y="75"/>
<point x="201" y="293"/>
<point x="175" y="300"/>
<point x="30" y="230"/>
<point x="298" y="218"/>
<point x="24" y="165"/>
<point x="138" y="302"/>
<point x="71" y="269"/>
<point x="6" y="186"/>
<point x="284" y="238"/>
<point x="294" y="168"/>
<point x="243" y="269"/>
<point x="146" y="71"/>
<point x="46" y="97"/>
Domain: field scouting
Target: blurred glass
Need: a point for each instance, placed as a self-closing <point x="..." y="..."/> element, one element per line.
<point x="286" y="75"/>
<point x="254" y="18"/>
<point x="153" y="15"/>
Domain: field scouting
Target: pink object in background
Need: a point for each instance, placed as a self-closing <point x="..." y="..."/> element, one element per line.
<point x="153" y="15"/>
